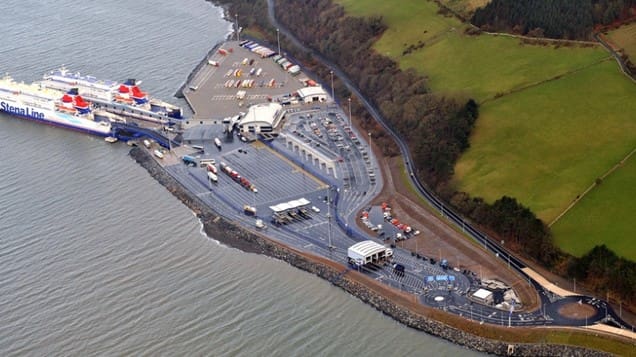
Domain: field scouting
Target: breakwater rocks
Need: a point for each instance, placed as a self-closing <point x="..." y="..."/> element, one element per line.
<point x="237" y="237"/>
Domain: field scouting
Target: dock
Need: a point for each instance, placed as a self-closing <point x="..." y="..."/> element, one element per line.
<point x="211" y="98"/>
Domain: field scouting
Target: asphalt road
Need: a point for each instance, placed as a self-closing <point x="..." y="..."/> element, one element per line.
<point x="489" y="243"/>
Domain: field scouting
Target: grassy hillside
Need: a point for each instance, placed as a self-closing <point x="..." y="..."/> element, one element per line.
<point x="466" y="8"/>
<point x="409" y="22"/>
<point x="482" y="67"/>
<point x="601" y="216"/>
<point x="552" y="119"/>
<point x="625" y="37"/>
<point x="545" y="145"/>
<point x="476" y="66"/>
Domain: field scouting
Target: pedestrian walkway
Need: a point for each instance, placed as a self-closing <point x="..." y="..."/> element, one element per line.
<point x="546" y="284"/>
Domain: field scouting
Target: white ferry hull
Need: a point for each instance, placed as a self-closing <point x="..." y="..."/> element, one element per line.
<point x="106" y="94"/>
<point x="54" y="118"/>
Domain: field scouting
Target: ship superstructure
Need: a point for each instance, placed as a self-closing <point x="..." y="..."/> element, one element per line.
<point x="123" y="98"/>
<point x="38" y="103"/>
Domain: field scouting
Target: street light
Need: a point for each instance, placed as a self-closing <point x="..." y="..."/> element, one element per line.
<point x="329" y="216"/>
<point x="349" y="100"/>
<point x="237" y="28"/>
<point x="504" y="251"/>
<point x="278" y="40"/>
<point x="332" y="91"/>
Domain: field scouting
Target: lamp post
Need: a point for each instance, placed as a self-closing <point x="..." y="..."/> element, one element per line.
<point x="349" y="100"/>
<point x="278" y="40"/>
<point x="503" y="251"/>
<point x="329" y="217"/>
<point x="237" y="28"/>
<point x="332" y="90"/>
<point x="543" y="310"/>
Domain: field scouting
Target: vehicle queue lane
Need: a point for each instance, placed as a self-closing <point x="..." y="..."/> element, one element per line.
<point x="457" y="220"/>
<point x="310" y="234"/>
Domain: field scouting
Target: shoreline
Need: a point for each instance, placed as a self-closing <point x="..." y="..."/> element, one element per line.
<point x="203" y="62"/>
<point x="230" y="234"/>
<point x="231" y="32"/>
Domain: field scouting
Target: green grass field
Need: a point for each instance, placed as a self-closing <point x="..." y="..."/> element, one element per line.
<point x="473" y="66"/>
<point x="408" y="22"/>
<point x="482" y="66"/>
<point x="466" y="8"/>
<point x="545" y="145"/>
<point x="601" y="216"/>
<point x="625" y="37"/>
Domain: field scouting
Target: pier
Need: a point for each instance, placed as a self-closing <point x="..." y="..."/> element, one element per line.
<point x="210" y="96"/>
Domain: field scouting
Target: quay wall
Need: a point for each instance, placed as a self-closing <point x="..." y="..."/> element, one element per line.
<point x="235" y="236"/>
<point x="179" y="93"/>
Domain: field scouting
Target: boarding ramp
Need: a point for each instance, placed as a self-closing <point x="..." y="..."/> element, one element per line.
<point x="126" y="131"/>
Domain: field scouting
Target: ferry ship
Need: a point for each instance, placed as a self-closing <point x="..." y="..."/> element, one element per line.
<point x="37" y="103"/>
<point x="125" y="98"/>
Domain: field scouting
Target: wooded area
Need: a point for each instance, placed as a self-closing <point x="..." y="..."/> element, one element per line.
<point x="436" y="128"/>
<point x="566" y="19"/>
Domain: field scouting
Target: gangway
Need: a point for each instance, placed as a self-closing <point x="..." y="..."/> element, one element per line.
<point x="126" y="131"/>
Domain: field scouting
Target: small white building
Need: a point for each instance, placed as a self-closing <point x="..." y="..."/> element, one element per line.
<point x="484" y="296"/>
<point x="368" y="251"/>
<point x="260" y="118"/>
<point x="312" y="94"/>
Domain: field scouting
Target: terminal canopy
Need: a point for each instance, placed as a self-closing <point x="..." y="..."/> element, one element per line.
<point x="286" y="206"/>
<point x="367" y="248"/>
<point x="368" y="251"/>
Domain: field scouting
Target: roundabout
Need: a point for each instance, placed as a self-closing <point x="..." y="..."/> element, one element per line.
<point x="576" y="311"/>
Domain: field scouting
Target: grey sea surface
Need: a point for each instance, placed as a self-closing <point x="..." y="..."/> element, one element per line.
<point x="96" y="258"/>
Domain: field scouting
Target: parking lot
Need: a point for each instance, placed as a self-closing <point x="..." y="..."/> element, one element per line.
<point x="211" y="96"/>
<point x="307" y="181"/>
<point x="282" y="174"/>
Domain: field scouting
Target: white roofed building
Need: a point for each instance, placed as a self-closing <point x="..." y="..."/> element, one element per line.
<point x="483" y="296"/>
<point x="312" y="94"/>
<point x="368" y="251"/>
<point x="261" y="118"/>
<point x="285" y="206"/>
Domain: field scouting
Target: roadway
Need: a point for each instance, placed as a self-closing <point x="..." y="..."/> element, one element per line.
<point x="452" y="217"/>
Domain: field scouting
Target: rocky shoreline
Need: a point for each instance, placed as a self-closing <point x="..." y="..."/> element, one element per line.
<point x="232" y="235"/>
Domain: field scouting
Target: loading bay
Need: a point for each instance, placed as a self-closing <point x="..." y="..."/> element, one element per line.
<point x="317" y="158"/>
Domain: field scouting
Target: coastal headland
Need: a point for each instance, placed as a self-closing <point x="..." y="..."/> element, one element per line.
<point x="293" y="160"/>
<point x="399" y="306"/>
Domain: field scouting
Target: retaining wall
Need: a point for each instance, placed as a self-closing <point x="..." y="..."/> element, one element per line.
<point x="237" y="237"/>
